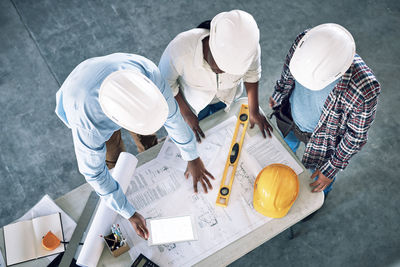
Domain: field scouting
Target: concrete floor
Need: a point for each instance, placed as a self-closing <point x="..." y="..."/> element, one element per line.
<point x="43" y="40"/>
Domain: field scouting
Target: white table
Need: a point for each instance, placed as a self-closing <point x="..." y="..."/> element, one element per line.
<point x="307" y="202"/>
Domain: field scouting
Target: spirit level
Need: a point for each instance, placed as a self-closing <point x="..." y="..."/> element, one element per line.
<point x="233" y="157"/>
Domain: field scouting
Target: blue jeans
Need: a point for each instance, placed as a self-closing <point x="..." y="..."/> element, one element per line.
<point x="294" y="143"/>
<point x="210" y="109"/>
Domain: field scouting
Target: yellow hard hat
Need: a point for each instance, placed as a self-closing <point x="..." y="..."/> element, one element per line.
<point x="275" y="190"/>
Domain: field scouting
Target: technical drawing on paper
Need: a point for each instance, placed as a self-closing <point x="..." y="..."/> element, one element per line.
<point x="207" y="216"/>
<point x="208" y="149"/>
<point x="164" y="192"/>
<point x="269" y="150"/>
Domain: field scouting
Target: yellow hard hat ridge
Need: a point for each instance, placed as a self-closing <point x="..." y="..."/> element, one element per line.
<point x="275" y="190"/>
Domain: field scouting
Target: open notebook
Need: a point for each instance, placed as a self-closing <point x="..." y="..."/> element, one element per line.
<point x="23" y="240"/>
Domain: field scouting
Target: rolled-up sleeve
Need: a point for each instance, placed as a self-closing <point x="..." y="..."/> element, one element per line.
<point x="169" y="71"/>
<point x="253" y="74"/>
<point x="90" y="152"/>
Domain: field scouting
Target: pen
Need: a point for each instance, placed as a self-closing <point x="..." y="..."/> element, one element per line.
<point x="67" y="242"/>
<point x="112" y="240"/>
<point x="109" y="239"/>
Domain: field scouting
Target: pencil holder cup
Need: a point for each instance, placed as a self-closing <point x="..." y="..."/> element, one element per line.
<point x="114" y="246"/>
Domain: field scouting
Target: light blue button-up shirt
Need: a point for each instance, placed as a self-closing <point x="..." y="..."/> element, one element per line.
<point x="79" y="108"/>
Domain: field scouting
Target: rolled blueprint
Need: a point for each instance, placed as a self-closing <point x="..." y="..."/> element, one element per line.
<point x="105" y="217"/>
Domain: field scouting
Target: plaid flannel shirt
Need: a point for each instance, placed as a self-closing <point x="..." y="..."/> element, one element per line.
<point x="347" y="115"/>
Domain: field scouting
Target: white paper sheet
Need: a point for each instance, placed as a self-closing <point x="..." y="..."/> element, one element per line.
<point x="168" y="194"/>
<point x="105" y="217"/>
<point x="47" y="206"/>
<point x="269" y="150"/>
<point x="13" y="234"/>
<point x="153" y="183"/>
<point x="208" y="149"/>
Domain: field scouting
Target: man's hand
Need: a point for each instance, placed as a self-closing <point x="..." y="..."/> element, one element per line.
<point x="272" y="102"/>
<point x="255" y="116"/>
<point x="190" y="118"/>
<point x="139" y="224"/>
<point x="321" y="183"/>
<point x="199" y="173"/>
<point x="193" y="122"/>
<point x="261" y="121"/>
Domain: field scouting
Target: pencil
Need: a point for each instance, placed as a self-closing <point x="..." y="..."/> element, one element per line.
<point x="109" y="239"/>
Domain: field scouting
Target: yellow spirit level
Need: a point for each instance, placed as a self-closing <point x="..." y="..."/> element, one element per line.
<point x="233" y="157"/>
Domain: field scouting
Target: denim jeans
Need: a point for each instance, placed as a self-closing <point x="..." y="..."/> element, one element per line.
<point x="294" y="143"/>
<point x="210" y="109"/>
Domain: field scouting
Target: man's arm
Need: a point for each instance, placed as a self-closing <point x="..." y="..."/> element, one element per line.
<point x="90" y="153"/>
<point x="251" y="80"/>
<point x="255" y="116"/>
<point x="355" y="137"/>
<point x="183" y="137"/>
<point x="190" y="118"/>
<point x="360" y="120"/>
<point x="169" y="70"/>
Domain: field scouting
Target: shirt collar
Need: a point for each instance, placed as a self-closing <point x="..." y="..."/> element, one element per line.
<point x="344" y="81"/>
<point x="199" y="61"/>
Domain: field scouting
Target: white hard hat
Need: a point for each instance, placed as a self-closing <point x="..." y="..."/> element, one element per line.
<point x="133" y="101"/>
<point x="323" y="54"/>
<point x="234" y="40"/>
